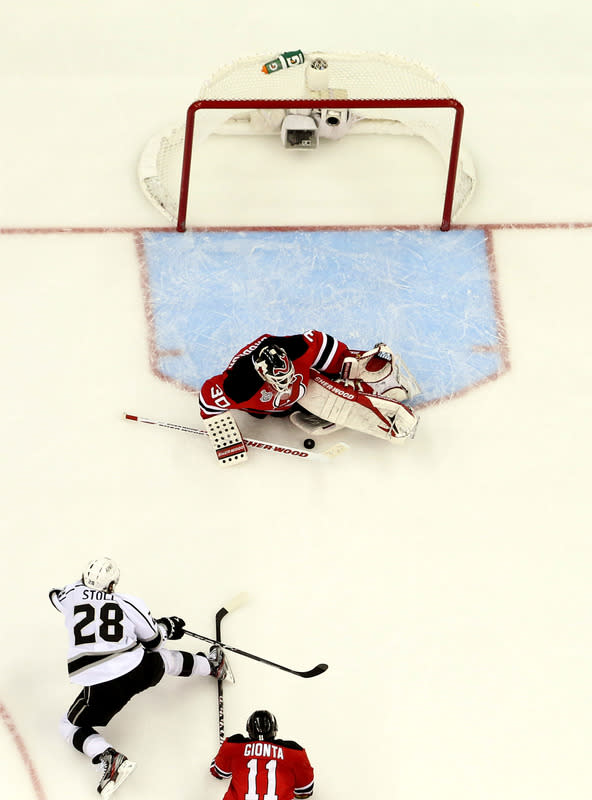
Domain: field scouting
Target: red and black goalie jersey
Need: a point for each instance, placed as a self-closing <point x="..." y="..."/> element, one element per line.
<point x="277" y="768"/>
<point x="241" y="388"/>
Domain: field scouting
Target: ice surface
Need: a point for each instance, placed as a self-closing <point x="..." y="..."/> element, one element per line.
<point x="431" y="295"/>
<point x="446" y="582"/>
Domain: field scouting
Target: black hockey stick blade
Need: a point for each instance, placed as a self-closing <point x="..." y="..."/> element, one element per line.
<point x="220" y="614"/>
<point x="310" y="673"/>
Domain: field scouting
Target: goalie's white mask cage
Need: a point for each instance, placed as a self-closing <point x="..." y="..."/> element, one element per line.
<point x="329" y="95"/>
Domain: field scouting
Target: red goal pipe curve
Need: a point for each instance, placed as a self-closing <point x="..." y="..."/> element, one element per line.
<point x="349" y="103"/>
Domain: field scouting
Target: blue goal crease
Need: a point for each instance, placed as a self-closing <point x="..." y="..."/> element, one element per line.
<point x="426" y="293"/>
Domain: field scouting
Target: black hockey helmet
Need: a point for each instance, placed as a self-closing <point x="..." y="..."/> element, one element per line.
<point x="273" y="365"/>
<point x="262" y="725"/>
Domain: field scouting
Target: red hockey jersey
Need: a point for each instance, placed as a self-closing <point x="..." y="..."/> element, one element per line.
<point x="277" y="768"/>
<point x="241" y="388"/>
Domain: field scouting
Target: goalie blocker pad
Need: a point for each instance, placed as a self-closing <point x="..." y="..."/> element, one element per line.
<point x="226" y="439"/>
<point x="368" y="413"/>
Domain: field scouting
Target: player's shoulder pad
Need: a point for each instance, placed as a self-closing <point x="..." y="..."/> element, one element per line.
<point x="137" y="602"/>
<point x="295" y="346"/>
<point x="288" y="744"/>
<point x="136" y="605"/>
<point x="237" y="738"/>
<point x="57" y="596"/>
<point x="242" y="381"/>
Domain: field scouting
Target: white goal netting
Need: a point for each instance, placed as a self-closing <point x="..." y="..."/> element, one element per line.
<point x="373" y="78"/>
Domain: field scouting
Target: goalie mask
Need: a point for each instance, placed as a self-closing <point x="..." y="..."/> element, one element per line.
<point x="273" y="365"/>
<point x="262" y="725"/>
<point x="100" y="574"/>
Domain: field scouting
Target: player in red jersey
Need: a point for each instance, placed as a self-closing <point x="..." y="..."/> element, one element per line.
<point x="320" y="382"/>
<point x="261" y="765"/>
<point x="271" y="374"/>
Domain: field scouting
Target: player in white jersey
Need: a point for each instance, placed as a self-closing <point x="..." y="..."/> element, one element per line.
<point x="115" y="651"/>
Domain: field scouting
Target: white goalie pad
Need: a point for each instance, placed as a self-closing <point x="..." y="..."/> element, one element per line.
<point x="369" y="413"/>
<point x="313" y="425"/>
<point x="406" y="378"/>
<point x="226" y="439"/>
<point x="385" y="371"/>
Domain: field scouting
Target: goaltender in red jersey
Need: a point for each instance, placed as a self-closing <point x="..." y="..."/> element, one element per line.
<point x="319" y="381"/>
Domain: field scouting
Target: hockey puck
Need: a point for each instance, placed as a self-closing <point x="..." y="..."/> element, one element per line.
<point x="309" y="443"/>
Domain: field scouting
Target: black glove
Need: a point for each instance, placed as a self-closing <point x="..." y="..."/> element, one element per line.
<point x="173" y="626"/>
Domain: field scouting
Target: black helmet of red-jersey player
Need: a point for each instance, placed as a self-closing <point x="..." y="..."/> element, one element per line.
<point x="262" y="725"/>
<point x="274" y="366"/>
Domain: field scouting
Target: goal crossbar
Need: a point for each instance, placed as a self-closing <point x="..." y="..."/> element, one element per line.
<point x="349" y="103"/>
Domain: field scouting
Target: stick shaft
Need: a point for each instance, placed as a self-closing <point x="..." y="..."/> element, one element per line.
<point x="219" y="617"/>
<point x="311" y="673"/>
<point x="270" y="447"/>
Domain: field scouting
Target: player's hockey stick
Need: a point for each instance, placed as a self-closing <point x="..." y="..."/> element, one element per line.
<point x="310" y="673"/>
<point x="269" y="447"/>
<point x="235" y="603"/>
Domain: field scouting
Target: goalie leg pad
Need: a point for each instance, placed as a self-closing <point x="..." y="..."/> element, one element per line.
<point x="226" y="439"/>
<point x="360" y="411"/>
<point x="311" y="424"/>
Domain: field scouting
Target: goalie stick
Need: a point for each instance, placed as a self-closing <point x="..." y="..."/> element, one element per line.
<point x="235" y="603"/>
<point x="310" y="673"/>
<point x="269" y="447"/>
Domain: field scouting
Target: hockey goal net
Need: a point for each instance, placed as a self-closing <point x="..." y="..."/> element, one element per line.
<point x="317" y="96"/>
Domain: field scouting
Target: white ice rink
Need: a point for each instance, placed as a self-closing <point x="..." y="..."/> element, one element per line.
<point x="447" y="582"/>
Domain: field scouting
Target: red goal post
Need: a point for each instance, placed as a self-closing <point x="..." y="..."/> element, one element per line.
<point x="392" y="95"/>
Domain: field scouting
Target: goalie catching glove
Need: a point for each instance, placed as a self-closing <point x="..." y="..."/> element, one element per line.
<point x="379" y="371"/>
<point x="171" y="627"/>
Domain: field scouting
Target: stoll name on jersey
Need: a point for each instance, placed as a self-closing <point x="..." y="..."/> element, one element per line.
<point x="93" y="594"/>
<point x="263" y="749"/>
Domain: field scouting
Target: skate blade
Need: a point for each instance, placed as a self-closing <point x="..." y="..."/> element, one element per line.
<point x="124" y="771"/>
<point x="229" y="673"/>
<point x="311" y="424"/>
